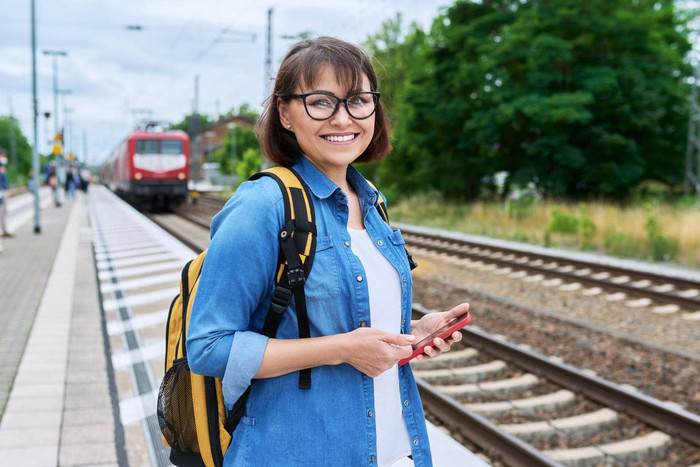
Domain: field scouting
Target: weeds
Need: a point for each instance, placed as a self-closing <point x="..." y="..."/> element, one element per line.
<point x="652" y="230"/>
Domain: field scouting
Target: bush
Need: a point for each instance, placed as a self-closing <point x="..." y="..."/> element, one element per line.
<point x="563" y="222"/>
<point x="661" y="247"/>
<point x="620" y="244"/>
<point x="521" y="207"/>
<point x="587" y="229"/>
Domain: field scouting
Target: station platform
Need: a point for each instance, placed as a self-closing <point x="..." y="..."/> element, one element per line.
<point x="59" y="402"/>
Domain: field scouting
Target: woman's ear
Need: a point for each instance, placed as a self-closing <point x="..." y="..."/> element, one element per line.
<point x="283" y="109"/>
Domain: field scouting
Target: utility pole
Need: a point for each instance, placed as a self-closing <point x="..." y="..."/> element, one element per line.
<point x="692" y="149"/>
<point x="35" y="112"/>
<point x="85" y="148"/>
<point x="55" y="54"/>
<point x="13" y="137"/>
<point x="268" y="55"/>
<point x="195" y="167"/>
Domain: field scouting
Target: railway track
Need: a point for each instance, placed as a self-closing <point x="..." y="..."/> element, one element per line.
<point x="668" y="293"/>
<point x="663" y="292"/>
<point x="522" y="408"/>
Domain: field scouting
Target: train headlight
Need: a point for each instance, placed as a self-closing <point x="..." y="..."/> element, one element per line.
<point x="138" y="176"/>
<point x="181" y="176"/>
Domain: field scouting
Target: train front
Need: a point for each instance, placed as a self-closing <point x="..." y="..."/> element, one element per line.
<point x="159" y="168"/>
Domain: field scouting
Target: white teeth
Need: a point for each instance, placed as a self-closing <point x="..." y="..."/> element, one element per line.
<point x="337" y="139"/>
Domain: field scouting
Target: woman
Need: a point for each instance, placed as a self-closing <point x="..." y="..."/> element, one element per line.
<point x="362" y="408"/>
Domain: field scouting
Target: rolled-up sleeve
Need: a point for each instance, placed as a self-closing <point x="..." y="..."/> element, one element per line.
<point x="243" y="363"/>
<point x="234" y="288"/>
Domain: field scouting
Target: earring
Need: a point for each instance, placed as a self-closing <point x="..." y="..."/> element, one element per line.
<point x="289" y="127"/>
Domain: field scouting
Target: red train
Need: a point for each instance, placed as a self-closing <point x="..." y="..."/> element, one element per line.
<point x="150" y="168"/>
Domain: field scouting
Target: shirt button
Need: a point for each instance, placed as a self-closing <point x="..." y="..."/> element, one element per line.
<point x="415" y="442"/>
<point x="370" y="413"/>
<point x="405" y="402"/>
<point x="380" y="243"/>
<point x="403" y="278"/>
<point x="363" y="324"/>
<point x="342" y="207"/>
<point x="358" y="278"/>
<point x="371" y="458"/>
<point x="346" y="243"/>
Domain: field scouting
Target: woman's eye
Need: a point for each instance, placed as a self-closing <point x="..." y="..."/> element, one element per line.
<point x="358" y="100"/>
<point x="319" y="102"/>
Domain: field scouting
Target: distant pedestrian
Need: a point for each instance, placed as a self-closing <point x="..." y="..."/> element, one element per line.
<point x="55" y="187"/>
<point x="84" y="179"/>
<point x="70" y="184"/>
<point x="3" y="194"/>
<point x="30" y="182"/>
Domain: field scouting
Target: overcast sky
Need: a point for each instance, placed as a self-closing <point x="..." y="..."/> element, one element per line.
<point x="115" y="76"/>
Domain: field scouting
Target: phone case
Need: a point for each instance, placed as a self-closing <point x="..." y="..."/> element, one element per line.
<point x="442" y="333"/>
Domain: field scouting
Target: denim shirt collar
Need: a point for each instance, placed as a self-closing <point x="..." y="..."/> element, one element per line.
<point x="323" y="187"/>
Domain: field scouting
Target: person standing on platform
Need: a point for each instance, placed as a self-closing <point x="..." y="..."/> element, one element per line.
<point x="3" y="194"/>
<point x="362" y="408"/>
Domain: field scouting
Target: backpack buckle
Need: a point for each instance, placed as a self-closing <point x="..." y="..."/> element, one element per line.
<point x="296" y="277"/>
<point x="280" y="299"/>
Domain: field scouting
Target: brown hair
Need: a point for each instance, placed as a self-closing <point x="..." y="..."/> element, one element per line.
<point x="300" y="66"/>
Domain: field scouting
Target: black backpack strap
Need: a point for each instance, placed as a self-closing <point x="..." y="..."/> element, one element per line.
<point x="381" y="207"/>
<point x="297" y="247"/>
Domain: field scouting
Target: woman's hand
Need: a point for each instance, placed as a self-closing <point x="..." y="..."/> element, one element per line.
<point x="373" y="351"/>
<point x="430" y="323"/>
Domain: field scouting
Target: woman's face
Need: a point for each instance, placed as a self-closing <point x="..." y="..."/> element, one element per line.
<point x="331" y="144"/>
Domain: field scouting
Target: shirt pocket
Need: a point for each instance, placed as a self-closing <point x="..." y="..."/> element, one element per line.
<point x="399" y="244"/>
<point x="323" y="282"/>
<point x="396" y="238"/>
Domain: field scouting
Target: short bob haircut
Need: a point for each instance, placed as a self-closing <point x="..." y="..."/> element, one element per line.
<point x="301" y="66"/>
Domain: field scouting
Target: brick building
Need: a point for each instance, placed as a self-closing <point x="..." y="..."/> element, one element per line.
<point x="210" y="139"/>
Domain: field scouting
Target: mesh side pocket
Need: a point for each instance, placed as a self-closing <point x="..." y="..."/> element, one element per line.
<point x="176" y="410"/>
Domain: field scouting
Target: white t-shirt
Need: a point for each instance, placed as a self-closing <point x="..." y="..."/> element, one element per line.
<point x="384" y="287"/>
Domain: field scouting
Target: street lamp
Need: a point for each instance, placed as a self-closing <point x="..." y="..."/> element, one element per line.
<point x="35" y="115"/>
<point x="55" y="54"/>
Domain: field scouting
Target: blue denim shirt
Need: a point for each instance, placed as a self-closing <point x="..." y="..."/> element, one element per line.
<point x="332" y="423"/>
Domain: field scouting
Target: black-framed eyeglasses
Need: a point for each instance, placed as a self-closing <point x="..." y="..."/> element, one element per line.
<point x="322" y="105"/>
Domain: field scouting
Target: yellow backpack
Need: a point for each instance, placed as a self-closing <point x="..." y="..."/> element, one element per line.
<point x="191" y="411"/>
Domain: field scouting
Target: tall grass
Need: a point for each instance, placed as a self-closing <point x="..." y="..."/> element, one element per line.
<point x="652" y="231"/>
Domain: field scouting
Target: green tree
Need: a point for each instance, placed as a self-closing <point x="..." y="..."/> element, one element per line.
<point x="400" y="60"/>
<point x="582" y="98"/>
<point x="249" y="164"/>
<point x="186" y="123"/>
<point x="237" y="142"/>
<point x="17" y="173"/>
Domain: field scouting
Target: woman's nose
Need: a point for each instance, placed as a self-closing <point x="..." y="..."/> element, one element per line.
<point x="341" y="116"/>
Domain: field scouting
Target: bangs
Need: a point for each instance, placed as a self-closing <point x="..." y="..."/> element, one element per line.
<point x="348" y="75"/>
<point x="309" y="59"/>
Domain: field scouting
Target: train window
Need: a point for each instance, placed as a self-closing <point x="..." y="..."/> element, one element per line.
<point x="171" y="146"/>
<point x="147" y="146"/>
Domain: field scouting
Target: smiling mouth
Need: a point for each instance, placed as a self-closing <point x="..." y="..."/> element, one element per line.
<point x="339" y="139"/>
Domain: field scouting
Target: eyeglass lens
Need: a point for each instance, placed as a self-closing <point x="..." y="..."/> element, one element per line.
<point x="323" y="106"/>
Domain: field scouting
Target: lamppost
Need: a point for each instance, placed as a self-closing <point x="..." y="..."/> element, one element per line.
<point x="35" y="114"/>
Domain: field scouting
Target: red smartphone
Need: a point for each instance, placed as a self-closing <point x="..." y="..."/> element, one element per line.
<point x="444" y="332"/>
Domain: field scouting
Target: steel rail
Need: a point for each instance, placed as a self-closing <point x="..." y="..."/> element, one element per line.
<point x="176" y="233"/>
<point x="665" y="417"/>
<point x="545" y="257"/>
<point x="688" y="303"/>
<point x="479" y="430"/>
